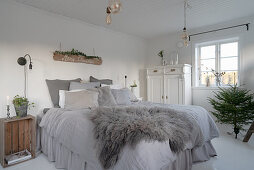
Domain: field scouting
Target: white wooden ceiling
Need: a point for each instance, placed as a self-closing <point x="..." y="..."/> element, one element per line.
<point x="149" y="18"/>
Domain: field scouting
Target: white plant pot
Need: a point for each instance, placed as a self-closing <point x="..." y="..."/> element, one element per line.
<point x="134" y="90"/>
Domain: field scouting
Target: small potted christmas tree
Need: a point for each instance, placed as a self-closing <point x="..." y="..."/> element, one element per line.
<point x="234" y="106"/>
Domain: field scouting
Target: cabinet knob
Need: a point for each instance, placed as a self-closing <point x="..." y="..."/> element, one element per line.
<point x="162" y="97"/>
<point x="172" y="70"/>
<point x="155" y="71"/>
<point x="166" y="97"/>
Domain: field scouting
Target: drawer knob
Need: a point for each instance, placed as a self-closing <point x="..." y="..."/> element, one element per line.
<point x="155" y="71"/>
<point x="172" y="70"/>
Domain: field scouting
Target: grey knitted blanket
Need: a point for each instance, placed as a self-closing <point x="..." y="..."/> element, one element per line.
<point x="116" y="127"/>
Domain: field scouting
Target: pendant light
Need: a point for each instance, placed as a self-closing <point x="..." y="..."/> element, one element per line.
<point x="185" y="36"/>
<point x="113" y="7"/>
<point x="108" y="17"/>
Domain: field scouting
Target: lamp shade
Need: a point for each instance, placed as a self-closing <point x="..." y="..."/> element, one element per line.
<point x="21" y="61"/>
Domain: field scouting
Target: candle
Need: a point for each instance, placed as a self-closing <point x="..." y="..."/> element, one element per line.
<point x="8" y="100"/>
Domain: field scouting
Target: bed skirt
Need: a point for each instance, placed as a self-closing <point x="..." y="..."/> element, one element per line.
<point x="66" y="159"/>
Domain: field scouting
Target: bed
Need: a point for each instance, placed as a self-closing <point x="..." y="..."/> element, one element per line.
<point x="67" y="135"/>
<point x="67" y="139"/>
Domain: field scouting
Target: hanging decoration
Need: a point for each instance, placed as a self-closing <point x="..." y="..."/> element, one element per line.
<point x="108" y="17"/>
<point x="76" y="57"/>
<point x="185" y="35"/>
<point x="113" y="7"/>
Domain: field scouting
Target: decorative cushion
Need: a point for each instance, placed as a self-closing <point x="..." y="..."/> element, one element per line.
<point x="83" y="86"/>
<point x="105" y="97"/>
<point x="62" y="97"/>
<point x="121" y="96"/>
<point x="81" y="99"/>
<point x="102" y="81"/>
<point x="55" y="85"/>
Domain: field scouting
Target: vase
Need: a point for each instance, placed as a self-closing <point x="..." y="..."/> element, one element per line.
<point x="207" y="81"/>
<point x="21" y="111"/>
<point x="176" y="59"/>
<point x="163" y="61"/>
<point x="218" y="81"/>
<point x="134" y="90"/>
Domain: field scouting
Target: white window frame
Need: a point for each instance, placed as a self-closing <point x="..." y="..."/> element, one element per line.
<point x="217" y="44"/>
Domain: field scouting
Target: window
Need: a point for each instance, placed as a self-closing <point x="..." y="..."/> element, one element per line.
<point x="221" y="57"/>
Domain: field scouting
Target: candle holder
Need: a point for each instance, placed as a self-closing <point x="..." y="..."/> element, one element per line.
<point x="8" y="112"/>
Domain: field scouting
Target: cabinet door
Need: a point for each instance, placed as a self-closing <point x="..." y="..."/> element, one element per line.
<point x="155" y="88"/>
<point x="173" y="86"/>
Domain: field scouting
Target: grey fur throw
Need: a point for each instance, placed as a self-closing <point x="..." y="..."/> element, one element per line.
<point x="117" y="126"/>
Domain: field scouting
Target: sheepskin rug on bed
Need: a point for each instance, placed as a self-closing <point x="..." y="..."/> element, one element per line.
<point x="118" y="126"/>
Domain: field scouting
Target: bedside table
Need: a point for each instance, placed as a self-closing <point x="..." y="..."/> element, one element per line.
<point x="17" y="135"/>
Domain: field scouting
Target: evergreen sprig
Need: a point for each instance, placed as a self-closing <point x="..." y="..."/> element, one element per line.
<point x="234" y="106"/>
<point x="161" y="54"/>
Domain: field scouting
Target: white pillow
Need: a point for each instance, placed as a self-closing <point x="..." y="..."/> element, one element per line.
<point x="62" y="97"/>
<point x="113" y="86"/>
<point x="81" y="99"/>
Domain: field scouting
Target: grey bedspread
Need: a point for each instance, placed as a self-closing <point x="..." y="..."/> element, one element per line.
<point x="73" y="129"/>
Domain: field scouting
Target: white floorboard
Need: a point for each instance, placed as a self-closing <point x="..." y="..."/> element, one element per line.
<point x="232" y="155"/>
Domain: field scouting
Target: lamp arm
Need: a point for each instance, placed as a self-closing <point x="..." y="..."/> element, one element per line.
<point x="30" y="65"/>
<point x="29" y="57"/>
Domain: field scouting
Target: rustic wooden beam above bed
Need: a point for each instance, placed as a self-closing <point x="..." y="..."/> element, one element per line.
<point x="76" y="57"/>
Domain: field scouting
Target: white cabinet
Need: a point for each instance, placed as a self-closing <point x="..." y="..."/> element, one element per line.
<point x="173" y="89"/>
<point x="155" y="83"/>
<point x="169" y="84"/>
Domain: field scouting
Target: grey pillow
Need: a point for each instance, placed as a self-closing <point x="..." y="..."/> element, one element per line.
<point x="102" y="81"/>
<point x="55" y="85"/>
<point x="121" y="96"/>
<point x="105" y="97"/>
<point x="83" y="86"/>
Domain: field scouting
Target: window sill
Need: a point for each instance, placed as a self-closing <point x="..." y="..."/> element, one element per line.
<point x="209" y="88"/>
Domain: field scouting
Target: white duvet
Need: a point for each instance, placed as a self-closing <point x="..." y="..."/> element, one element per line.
<point x="74" y="130"/>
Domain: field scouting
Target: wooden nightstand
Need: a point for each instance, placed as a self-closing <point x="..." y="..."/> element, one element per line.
<point x="16" y="135"/>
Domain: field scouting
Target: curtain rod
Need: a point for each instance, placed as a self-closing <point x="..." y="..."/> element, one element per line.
<point x="241" y="25"/>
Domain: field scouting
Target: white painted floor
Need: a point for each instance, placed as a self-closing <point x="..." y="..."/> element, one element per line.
<point x="232" y="155"/>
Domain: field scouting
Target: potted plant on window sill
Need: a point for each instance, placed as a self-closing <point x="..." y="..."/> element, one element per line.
<point x="21" y="105"/>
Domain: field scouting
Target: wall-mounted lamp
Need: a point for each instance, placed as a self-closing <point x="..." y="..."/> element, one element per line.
<point x="23" y="61"/>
